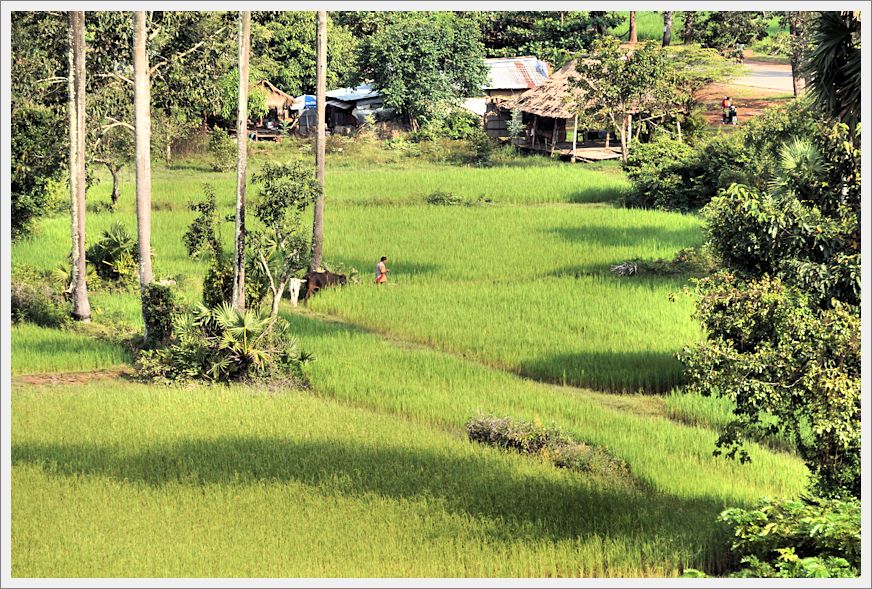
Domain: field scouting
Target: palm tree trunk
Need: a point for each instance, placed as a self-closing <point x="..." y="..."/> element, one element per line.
<point x="241" y="160"/>
<point x="633" y="36"/>
<point x="76" y="115"/>
<point x="142" y="107"/>
<point x="320" y="98"/>
<point x="667" y="27"/>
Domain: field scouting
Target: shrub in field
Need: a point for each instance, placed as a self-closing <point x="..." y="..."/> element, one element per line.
<point x="482" y="147"/>
<point x="201" y="240"/>
<point x="796" y="538"/>
<point x="222" y="345"/>
<point x="35" y="300"/>
<point x="115" y="256"/>
<point x="158" y="308"/>
<point x="691" y="261"/>
<point x="222" y="149"/>
<point x="671" y="175"/>
<point x="548" y="443"/>
<point x="444" y="198"/>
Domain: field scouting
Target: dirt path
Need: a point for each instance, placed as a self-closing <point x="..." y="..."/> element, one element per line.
<point x="763" y="85"/>
<point x="61" y="378"/>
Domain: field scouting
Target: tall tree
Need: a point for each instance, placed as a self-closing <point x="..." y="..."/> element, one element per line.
<point x="617" y="84"/>
<point x="241" y="160"/>
<point x="142" y="115"/>
<point x="667" y="27"/>
<point x="797" y="23"/>
<point x="320" y="141"/>
<point x="424" y="62"/>
<point x="689" y="31"/>
<point x="76" y="115"/>
<point x="634" y="38"/>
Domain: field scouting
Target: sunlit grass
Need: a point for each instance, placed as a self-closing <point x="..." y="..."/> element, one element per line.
<point x="39" y="349"/>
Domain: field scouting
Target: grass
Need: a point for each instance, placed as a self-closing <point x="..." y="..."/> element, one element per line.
<point x="369" y="477"/>
<point x="38" y="350"/>
<point x="368" y="472"/>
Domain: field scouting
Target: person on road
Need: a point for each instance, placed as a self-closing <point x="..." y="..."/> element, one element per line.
<point x="381" y="271"/>
<point x="725" y="107"/>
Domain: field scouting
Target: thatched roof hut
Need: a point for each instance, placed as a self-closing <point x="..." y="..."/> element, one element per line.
<point x="277" y="99"/>
<point x="554" y="98"/>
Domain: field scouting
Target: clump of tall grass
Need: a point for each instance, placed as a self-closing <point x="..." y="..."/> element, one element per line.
<point x="549" y="443"/>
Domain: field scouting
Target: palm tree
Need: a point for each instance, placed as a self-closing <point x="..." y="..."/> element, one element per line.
<point x="320" y="100"/>
<point x="142" y="108"/>
<point x="633" y="35"/>
<point x="832" y="66"/>
<point x="76" y="116"/>
<point x="241" y="160"/>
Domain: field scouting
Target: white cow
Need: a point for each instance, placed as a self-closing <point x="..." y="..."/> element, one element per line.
<point x="294" y="289"/>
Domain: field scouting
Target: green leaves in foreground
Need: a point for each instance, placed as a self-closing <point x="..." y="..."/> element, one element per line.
<point x="797" y="538"/>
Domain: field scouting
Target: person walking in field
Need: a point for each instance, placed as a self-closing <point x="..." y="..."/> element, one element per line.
<point x="381" y="271"/>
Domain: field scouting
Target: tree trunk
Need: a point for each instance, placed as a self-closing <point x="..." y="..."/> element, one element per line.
<point x="796" y="24"/>
<point x="625" y="151"/>
<point x="667" y="27"/>
<point x="142" y="106"/>
<point x="76" y="115"/>
<point x="320" y="140"/>
<point x="678" y="127"/>
<point x="169" y="154"/>
<point x="241" y="161"/>
<point x="574" y="137"/>
<point x="633" y="37"/>
<point x="608" y="136"/>
<point x="689" y="20"/>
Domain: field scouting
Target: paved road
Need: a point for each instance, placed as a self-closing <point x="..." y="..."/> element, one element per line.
<point x="766" y="75"/>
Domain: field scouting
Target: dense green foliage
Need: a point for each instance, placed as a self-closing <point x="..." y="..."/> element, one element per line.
<point x="671" y="175"/>
<point x="555" y="37"/>
<point x="38" y="159"/>
<point x="222" y="148"/>
<point x="783" y="324"/>
<point x="797" y="538"/>
<point x="34" y="298"/>
<point x="283" y="50"/>
<point x="222" y="345"/>
<point x="724" y="29"/>
<point x="115" y="256"/>
<point x="422" y="62"/>
<point x="833" y="65"/>
<point x="159" y="305"/>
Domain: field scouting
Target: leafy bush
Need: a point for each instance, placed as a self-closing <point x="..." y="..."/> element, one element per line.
<point x="201" y="240"/>
<point x="449" y="199"/>
<point x="797" y="538"/>
<point x="158" y="308"/>
<point x="482" y="147"/>
<point x="691" y="261"/>
<point x="548" y="443"/>
<point x="776" y="355"/>
<point x="222" y="149"/>
<point x="671" y="175"/>
<point x="444" y="198"/>
<point x="223" y="345"/>
<point x="35" y="300"/>
<point x="115" y="256"/>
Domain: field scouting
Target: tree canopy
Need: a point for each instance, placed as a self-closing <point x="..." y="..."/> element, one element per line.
<point x="423" y="62"/>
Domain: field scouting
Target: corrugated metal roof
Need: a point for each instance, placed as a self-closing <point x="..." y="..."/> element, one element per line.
<point x="515" y="73"/>
<point x="354" y="94"/>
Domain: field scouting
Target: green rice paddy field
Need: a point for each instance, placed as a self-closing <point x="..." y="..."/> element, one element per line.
<point x="507" y="308"/>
